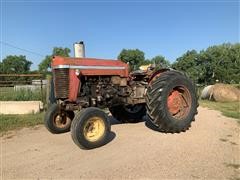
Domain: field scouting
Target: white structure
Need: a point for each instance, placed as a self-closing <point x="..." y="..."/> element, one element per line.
<point x="20" y="107"/>
<point x="79" y="49"/>
<point x="36" y="85"/>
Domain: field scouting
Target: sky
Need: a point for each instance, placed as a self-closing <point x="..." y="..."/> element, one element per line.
<point x="167" y="28"/>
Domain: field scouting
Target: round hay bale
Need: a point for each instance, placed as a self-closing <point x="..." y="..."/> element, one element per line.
<point x="206" y="92"/>
<point x="225" y="93"/>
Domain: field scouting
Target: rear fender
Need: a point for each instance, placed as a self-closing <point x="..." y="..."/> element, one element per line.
<point x="158" y="73"/>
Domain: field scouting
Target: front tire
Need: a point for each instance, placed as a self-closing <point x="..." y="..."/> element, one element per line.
<point x="90" y="128"/>
<point x="129" y="113"/>
<point x="56" y="121"/>
<point x="171" y="102"/>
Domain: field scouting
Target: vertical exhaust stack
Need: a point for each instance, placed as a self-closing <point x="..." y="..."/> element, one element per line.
<point x="79" y="49"/>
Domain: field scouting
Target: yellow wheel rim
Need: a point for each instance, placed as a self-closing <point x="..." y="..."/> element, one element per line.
<point x="94" y="129"/>
<point x="61" y="122"/>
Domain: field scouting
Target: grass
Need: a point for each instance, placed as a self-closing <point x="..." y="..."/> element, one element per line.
<point x="236" y="85"/>
<point x="10" y="122"/>
<point x="9" y="94"/>
<point x="229" y="109"/>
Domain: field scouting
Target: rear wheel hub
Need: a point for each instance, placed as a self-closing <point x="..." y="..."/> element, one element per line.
<point x="174" y="102"/>
<point x="179" y="102"/>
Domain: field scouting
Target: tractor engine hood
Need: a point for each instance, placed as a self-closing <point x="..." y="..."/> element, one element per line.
<point x="91" y="66"/>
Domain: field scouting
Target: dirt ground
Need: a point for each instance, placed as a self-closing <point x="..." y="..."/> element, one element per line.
<point x="209" y="150"/>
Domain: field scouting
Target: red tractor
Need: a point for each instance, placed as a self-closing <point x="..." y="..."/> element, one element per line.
<point x="84" y="86"/>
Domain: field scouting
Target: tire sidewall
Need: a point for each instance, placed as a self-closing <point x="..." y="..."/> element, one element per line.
<point x="51" y="114"/>
<point x="172" y="83"/>
<point x="78" y="125"/>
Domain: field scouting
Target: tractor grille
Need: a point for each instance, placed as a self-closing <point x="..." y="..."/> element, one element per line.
<point x="61" y="82"/>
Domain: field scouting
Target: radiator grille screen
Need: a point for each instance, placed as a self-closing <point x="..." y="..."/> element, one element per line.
<point x="61" y="82"/>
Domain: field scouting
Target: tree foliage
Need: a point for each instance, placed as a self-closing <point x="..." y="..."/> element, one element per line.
<point x="15" y="65"/>
<point x="217" y="63"/>
<point x="188" y="63"/>
<point x="134" y="57"/>
<point x="160" y="62"/>
<point x="46" y="62"/>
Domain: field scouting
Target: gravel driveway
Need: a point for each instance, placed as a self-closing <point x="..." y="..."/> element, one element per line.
<point x="209" y="150"/>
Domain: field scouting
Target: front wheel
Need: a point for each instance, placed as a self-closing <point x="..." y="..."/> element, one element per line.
<point x="57" y="121"/>
<point x="171" y="102"/>
<point x="90" y="128"/>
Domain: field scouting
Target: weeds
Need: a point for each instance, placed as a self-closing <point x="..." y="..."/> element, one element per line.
<point x="10" y="122"/>
<point x="229" y="109"/>
<point x="9" y="94"/>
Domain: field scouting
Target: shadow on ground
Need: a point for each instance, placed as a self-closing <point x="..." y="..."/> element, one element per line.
<point x="145" y="119"/>
<point x="111" y="136"/>
<point x="150" y="125"/>
<point x="114" y="121"/>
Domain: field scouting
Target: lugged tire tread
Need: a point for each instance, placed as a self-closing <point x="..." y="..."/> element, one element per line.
<point x="155" y="107"/>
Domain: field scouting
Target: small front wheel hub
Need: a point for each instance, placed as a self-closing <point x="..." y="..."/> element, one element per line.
<point x="94" y="129"/>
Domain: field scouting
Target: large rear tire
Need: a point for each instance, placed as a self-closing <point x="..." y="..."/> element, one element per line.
<point x="58" y="122"/>
<point x="90" y="128"/>
<point x="129" y="113"/>
<point x="171" y="102"/>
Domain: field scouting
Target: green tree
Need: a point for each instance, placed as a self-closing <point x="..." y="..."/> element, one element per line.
<point x="221" y="63"/>
<point x="188" y="64"/>
<point x="146" y="62"/>
<point x="46" y="62"/>
<point x="15" y="65"/>
<point x="217" y="63"/>
<point x="160" y="62"/>
<point x="134" y="57"/>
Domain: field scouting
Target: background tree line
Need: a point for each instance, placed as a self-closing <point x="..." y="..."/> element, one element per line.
<point x="13" y="64"/>
<point x="217" y="63"/>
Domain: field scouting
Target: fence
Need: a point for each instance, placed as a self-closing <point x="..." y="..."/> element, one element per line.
<point x="23" y="87"/>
